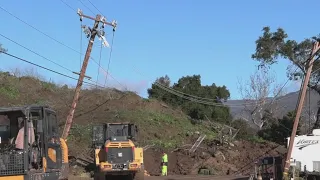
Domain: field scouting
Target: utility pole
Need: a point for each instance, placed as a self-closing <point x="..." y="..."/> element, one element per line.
<point x="315" y="49"/>
<point x="92" y="33"/>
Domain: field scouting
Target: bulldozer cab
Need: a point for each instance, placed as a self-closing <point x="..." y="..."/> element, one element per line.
<point x="269" y="167"/>
<point x="38" y="150"/>
<point x="114" y="132"/>
<point x="116" y="153"/>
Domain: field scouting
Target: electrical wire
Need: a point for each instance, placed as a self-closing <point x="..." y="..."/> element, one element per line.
<point x="95" y="7"/>
<point x="86" y="6"/>
<point x="68" y="5"/>
<point x="110" y="55"/>
<point x="81" y="44"/>
<point x="107" y="72"/>
<point x="48" y="69"/>
<point x="39" y="55"/>
<point x="195" y="100"/>
<point x="99" y="65"/>
<point x="72" y="48"/>
<point x="34" y="52"/>
<point x="211" y="101"/>
<point x="59" y="42"/>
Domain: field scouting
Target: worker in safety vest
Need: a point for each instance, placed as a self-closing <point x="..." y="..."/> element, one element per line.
<point x="164" y="164"/>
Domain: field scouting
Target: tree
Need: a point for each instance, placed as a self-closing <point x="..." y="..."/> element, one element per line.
<point x="280" y="129"/>
<point x="245" y="130"/>
<point x="2" y="49"/>
<point x="274" y="46"/>
<point x="256" y="93"/>
<point x="190" y="87"/>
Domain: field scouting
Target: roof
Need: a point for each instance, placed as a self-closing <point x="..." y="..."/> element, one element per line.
<point x="21" y="108"/>
<point x="120" y="123"/>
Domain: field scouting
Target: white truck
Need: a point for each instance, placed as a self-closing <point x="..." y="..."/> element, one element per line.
<point x="306" y="154"/>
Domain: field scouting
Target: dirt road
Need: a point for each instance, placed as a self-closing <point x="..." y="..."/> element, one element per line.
<point x="188" y="177"/>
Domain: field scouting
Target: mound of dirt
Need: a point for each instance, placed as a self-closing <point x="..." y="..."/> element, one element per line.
<point x="159" y="125"/>
<point x="238" y="158"/>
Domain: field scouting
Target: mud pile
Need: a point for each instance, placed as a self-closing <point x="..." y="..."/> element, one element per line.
<point x="238" y="158"/>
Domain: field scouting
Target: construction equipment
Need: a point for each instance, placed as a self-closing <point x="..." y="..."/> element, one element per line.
<point x="44" y="155"/>
<point x="115" y="152"/>
<point x="269" y="168"/>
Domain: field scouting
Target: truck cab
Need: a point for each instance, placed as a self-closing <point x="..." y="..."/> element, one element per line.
<point x="115" y="151"/>
<point x="41" y="153"/>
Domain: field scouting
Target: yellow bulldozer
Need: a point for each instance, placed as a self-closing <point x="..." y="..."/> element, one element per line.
<point x="115" y="152"/>
<point x="37" y="155"/>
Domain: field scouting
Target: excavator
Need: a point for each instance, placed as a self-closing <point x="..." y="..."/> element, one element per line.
<point x="44" y="155"/>
<point x="115" y="152"/>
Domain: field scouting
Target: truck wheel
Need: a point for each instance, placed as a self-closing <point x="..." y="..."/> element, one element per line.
<point x="139" y="175"/>
<point x="98" y="176"/>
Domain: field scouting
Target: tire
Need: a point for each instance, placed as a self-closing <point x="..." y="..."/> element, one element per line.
<point x="139" y="175"/>
<point x="98" y="176"/>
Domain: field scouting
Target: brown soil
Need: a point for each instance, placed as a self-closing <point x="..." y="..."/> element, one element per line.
<point x="152" y="117"/>
<point x="236" y="159"/>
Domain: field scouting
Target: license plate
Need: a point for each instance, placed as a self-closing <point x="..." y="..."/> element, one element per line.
<point x="120" y="154"/>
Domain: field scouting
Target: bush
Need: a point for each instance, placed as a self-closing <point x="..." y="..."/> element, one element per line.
<point x="245" y="131"/>
<point x="280" y="130"/>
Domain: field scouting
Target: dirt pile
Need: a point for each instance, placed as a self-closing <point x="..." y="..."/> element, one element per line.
<point x="152" y="117"/>
<point x="238" y="158"/>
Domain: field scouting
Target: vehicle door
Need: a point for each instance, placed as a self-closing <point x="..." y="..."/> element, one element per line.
<point x="52" y="141"/>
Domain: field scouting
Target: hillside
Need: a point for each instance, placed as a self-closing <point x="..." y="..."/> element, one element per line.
<point x="285" y="104"/>
<point x="159" y="125"/>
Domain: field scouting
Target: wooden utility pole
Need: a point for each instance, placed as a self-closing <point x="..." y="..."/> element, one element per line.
<point x="315" y="49"/>
<point x="92" y="33"/>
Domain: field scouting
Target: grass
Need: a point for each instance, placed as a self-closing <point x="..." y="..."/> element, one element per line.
<point x="256" y="139"/>
<point x="171" y="129"/>
<point x="9" y="91"/>
<point x="159" y="126"/>
<point x="48" y="85"/>
<point x="80" y="133"/>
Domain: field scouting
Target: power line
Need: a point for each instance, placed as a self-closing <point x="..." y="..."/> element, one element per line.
<point x="110" y="55"/>
<point x="70" y="77"/>
<point x="86" y="6"/>
<point x="68" y="5"/>
<point x="95" y="7"/>
<point x="195" y="98"/>
<point x="35" y="52"/>
<point x="80" y="59"/>
<point x="99" y="64"/>
<point x="48" y="69"/>
<point x="39" y="54"/>
<point x="57" y="40"/>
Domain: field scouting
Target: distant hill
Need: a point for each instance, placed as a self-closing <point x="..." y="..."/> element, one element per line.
<point x="285" y="104"/>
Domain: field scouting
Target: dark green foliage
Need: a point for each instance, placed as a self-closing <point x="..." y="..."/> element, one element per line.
<point x="280" y="130"/>
<point x="272" y="46"/>
<point x="245" y="131"/>
<point x="191" y="87"/>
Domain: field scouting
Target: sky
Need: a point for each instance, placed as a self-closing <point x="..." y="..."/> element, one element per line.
<point x="183" y="37"/>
